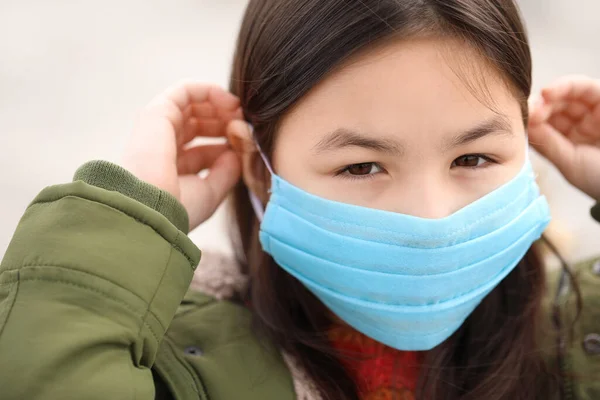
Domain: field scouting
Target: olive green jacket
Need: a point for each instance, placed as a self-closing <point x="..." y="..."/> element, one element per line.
<point x="95" y="304"/>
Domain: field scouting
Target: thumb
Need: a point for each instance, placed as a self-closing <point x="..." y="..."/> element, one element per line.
<point x="554" y="146"/>
<point x="202" y="196"/>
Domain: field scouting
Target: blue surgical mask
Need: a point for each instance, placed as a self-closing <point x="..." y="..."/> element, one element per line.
<point x="405" y="281"/>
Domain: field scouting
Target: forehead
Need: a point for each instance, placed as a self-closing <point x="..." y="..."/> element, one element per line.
<point x="414" y="88"/>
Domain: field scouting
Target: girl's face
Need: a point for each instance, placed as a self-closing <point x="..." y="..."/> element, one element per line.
<point x="396" y="129"/>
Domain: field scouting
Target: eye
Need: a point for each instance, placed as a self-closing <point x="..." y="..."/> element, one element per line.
<point x="362" y="170"/>
<point x="472" y="161"/>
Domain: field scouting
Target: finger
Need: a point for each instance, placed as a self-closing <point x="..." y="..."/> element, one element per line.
<point x="539" y="110"/>
<point x="206" y="110"/>
<point x="562" y="123"/>
<point x="195" y="159"/>
<point x="589" y="126"/>
<point x="576" y="87"/>
<point x="201" y="197"/>
<point x="204" y="120"/>
<point x="576" y="110"/>
<point x="172" y="104"/>
<point x="189" y="92"/>
<point x="201" y="128"/>
<point x="555" y="147"/>
<point x="223" y="175"/>
<point x="201" y="110"/>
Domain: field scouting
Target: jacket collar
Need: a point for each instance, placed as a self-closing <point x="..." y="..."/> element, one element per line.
<point x="218" y="275"/>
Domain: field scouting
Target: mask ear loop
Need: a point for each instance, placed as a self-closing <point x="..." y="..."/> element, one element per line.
<point x="534" y="173"/>
<point x="259" y="210"/>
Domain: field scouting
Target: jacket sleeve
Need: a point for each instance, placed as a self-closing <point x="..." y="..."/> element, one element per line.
<point x="88" y="286"/>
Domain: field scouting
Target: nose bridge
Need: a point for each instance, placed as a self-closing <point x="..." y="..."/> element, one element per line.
<point x="426" y="196"/>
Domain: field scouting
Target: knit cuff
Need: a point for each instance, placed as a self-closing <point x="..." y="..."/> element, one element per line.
<point x="109" y="176"/>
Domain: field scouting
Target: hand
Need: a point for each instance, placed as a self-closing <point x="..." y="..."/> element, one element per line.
<point x="159" y="153"/>
<point x="564" y="126"/>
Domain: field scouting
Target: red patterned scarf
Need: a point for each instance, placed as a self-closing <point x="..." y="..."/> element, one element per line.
<point x="380" y="372"/>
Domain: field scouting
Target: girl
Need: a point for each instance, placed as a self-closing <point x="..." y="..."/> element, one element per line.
<point x="397" y="256"/>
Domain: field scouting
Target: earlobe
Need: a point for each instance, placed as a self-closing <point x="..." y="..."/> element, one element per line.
<point x="254" y="174"/>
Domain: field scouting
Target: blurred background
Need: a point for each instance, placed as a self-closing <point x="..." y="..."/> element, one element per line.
<point x="73" y="74"/>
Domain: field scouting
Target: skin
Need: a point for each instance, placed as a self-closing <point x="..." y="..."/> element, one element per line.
<point x="159" y="151"/>
<point x="564" y="126"/>
<point x="404" y="93"/>
<point x="407" y="96"/>
<point x="420" y="167"/>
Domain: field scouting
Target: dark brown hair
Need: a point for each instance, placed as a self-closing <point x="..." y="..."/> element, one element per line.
<point x="286" y="47"/>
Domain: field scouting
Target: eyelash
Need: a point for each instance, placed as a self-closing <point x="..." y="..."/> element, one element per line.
<point x="488" y="160"/>
<point x="343" y="173"/>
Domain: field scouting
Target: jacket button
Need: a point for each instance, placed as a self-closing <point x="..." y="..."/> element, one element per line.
<point x="193" y="351"/>
<point x="596" y="268"/>
<point x="591" y="344"/>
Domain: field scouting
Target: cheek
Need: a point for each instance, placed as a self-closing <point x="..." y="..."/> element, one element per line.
<point x="466" y="191"/>
<point x="377" y="192"/>
<point x="471" y="186"/>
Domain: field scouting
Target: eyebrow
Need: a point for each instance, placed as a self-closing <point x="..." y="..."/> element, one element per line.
<point x="499" y="125"/>
<point x="343" y="137"/>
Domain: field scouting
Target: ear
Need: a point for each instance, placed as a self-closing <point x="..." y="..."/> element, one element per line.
<point x="254" y="172"/>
